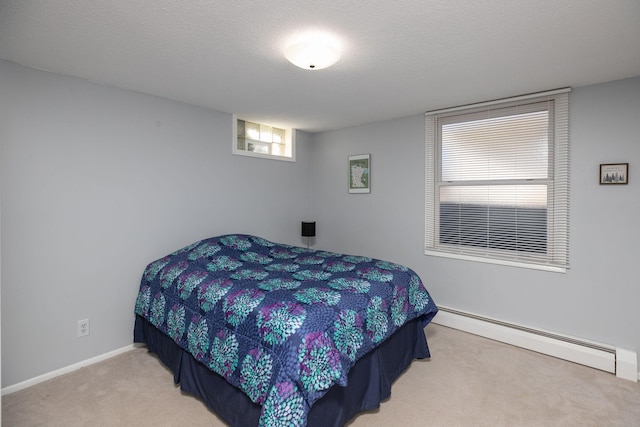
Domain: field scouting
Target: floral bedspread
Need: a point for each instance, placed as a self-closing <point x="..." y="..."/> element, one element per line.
<point x="282" y="323"/>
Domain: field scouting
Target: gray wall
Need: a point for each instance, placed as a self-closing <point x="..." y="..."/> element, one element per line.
<point x="96" y="182"/>
<point x="597" y="299"/>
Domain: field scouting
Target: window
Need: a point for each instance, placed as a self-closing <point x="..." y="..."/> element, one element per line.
<point x="261" y="140"/>
<point x="497" y="182"/>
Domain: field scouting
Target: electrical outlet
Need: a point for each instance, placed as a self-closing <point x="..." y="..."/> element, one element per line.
<point x="83" y="328"/>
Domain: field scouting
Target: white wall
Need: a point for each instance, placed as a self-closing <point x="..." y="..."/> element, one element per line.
<point x="598" y="299"/>
<point x="96" y="182"/>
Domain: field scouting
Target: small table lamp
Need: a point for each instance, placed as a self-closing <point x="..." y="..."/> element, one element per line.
<point x="308" y="230"/>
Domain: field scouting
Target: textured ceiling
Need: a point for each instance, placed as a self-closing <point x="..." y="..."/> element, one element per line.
<point x="400" y="57"/>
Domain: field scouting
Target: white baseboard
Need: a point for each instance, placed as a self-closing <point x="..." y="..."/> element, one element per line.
<point x="49" y="375"/>
<point x="605" y="357"/>
<point x="622" y="362"/>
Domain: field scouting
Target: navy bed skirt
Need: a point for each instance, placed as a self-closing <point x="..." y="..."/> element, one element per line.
<point x="369" y="381"/>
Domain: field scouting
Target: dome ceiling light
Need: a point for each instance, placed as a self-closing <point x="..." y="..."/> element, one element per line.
<point x="313" y="51"/>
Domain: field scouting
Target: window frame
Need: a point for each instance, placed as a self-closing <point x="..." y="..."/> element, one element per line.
<point x="556" y="257"/>
<point x="290" y="139"/>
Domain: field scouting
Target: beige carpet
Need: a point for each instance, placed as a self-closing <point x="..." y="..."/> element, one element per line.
<point x="469" y="381"/>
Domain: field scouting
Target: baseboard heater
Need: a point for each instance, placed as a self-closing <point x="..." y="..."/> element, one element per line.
<point x="621" y="362"/>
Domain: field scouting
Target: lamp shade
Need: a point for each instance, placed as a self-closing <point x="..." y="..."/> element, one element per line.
<point x="308" y="229"/>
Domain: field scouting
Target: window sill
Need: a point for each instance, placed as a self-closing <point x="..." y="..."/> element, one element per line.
<point x="262" y="155"/>
<point x="519" y="264"/>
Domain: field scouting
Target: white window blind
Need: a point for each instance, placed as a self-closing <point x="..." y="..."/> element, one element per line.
<point x="497" y="181"/>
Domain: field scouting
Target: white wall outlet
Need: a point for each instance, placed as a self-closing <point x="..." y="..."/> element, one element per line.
<point x="83" y="328"/>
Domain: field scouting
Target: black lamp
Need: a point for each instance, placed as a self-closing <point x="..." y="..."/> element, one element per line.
<point x="308" y="230"/>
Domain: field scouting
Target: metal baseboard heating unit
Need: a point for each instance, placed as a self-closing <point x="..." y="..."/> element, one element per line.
<point x="605" y="357"/>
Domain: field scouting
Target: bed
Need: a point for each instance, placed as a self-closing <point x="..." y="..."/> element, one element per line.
<point x="268" y="334"/>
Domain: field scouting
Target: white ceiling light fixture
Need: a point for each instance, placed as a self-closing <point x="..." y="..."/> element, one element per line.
<point x="313" y="51"/>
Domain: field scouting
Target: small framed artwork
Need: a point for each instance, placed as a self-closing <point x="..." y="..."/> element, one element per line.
<point x="360" y="173"/>
<point x="614" y="173"/>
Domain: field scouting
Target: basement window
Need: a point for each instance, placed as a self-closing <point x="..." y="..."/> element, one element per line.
<point x="263" y="140"/>
<point x="497" y="182"/>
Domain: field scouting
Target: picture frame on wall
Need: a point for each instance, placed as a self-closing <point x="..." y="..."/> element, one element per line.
<point x="360" y="173"/>
<point x="614" y="173"/>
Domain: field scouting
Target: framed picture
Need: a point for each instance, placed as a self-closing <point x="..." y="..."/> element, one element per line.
<point x="360" y="173"/>
<point x="614" y="173"/>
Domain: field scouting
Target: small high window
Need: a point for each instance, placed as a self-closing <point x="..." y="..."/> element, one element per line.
<point x="262" y="140"/>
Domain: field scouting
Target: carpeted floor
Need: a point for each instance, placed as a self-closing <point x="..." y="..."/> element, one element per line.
<point x="469" y="381"/>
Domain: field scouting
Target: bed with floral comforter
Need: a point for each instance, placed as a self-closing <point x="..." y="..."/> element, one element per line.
<point x="281" y="323"/>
